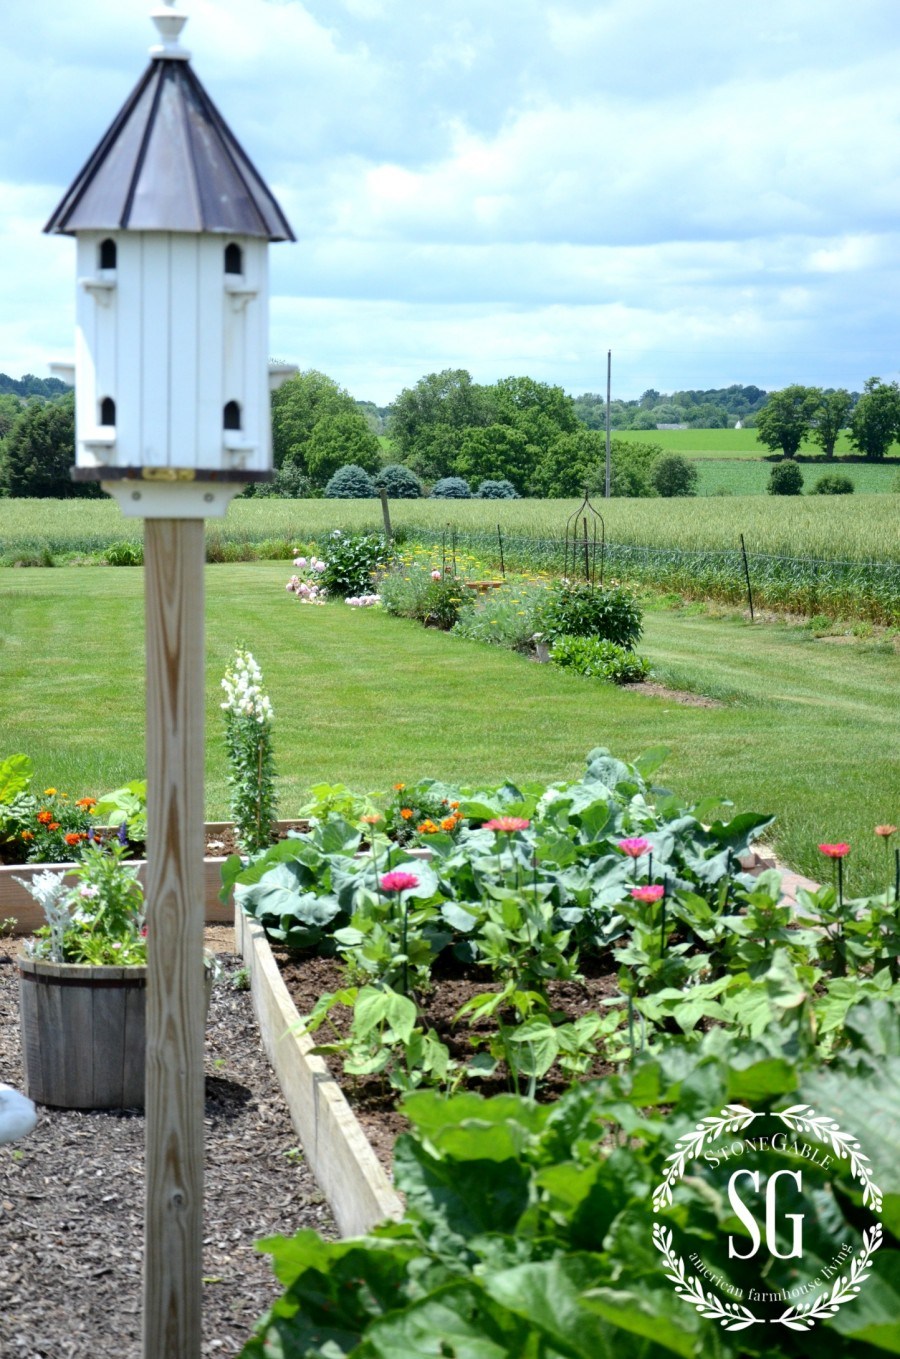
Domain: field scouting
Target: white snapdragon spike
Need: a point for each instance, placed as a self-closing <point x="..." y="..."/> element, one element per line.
<point x="17" y="1114"/>
<point x="244" y="694"/>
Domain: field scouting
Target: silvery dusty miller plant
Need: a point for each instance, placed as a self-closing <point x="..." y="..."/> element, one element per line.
<point x="248" y="745"/>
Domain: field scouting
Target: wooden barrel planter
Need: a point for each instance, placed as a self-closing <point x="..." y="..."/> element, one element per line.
<point x="83" y="1030"/>
<point x="83" y="1034"/>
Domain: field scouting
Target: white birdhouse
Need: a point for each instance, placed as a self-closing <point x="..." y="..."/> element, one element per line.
<point x="173" y="225"/>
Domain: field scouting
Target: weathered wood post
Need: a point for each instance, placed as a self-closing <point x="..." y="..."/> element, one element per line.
<point x="172" y="418"/>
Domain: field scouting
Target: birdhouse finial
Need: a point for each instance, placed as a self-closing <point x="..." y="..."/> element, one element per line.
<point x="169" y="25"/>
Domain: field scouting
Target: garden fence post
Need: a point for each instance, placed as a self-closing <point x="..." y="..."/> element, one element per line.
<point x="747" y="577"/>
<point x="388" y="531"/>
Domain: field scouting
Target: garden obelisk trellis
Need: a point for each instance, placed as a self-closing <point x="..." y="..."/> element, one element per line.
<point x="173" y="225"/>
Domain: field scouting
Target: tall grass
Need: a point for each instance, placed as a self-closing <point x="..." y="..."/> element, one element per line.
<point x="809" y="553"/>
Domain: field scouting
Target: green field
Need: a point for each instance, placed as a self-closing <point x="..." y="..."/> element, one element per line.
<point x="750" y="476"/>
<point x="807" y="729"/>
<point x="728" y="443"/>
<point x="860" y="527"/>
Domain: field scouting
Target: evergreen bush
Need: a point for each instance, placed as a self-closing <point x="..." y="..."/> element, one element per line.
<point x="451" y="488"/>
<point x="350" y="483"/>
<point x="399" y="482"/>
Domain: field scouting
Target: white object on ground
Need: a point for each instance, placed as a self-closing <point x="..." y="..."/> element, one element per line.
<point x="17" y="1114"/>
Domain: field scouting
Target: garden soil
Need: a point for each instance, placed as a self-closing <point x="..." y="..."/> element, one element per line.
<point x="71" y="1197"/>
<point x="372" y="1099"/>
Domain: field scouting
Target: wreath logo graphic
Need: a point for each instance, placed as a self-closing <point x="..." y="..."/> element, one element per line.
<point x="733" y="1316"/>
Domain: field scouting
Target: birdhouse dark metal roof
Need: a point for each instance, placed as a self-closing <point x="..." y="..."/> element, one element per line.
<point x="169" y="162"/>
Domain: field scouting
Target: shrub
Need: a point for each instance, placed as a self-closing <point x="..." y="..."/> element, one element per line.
<point x="288" y="483"/>
<point x="597" y="659"/>
<point x="833" y="484"/>
<point x="785" y="478"/>
<point x="506" y="617"/>
<point x="412" y="592"/>
<point x="497" y="490"/>
<point x="399" y="482"/>
<point x="350" y="483"/>
<point x="674" y="475"/>
<point x="441" y="602"/>
<point x="124" y="554"/>
<point x="571" y="609"/>
<point x="351" y="561"/>
<point x="451" y="488"/>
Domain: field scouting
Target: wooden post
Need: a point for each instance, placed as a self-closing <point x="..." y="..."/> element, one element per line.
<point x="388" y="531"/>
<point x="173" y="1222"/>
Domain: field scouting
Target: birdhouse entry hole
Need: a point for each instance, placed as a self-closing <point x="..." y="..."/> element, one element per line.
<point x="108" y="258"/>
<point x="232" y="415"/>
<point x="107" y="405"/>
<point x="234" y="261"/>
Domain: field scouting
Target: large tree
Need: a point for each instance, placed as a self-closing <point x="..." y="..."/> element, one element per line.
<point x="786" y="419"/>
<point x="496" y="453"/>
<point x="39" y="453"/>
<point x="427" y="423"/>
<point x="317" y="427"/>
<point x="830" y="419"/>
<point x="875" y="422"/>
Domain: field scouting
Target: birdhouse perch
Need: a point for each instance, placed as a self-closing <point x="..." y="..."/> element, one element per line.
<point x="173" y="225"/>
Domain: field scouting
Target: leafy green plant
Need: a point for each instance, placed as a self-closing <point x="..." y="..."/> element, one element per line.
<point x="125" y="806"/>
<point x="598" y="659"/>
<point x="506" y="617"/>
<point x="124" y="553"/>
<point x="579" y="610"/>
<point x="99" y="920"/>
<point x="384" y="1039"/>
<point x="248" y="744"/>
<point x="352" y="560"/>
<point x="527" y="1228"/>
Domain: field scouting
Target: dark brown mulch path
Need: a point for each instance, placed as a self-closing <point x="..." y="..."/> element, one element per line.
<point x="373" y="1101"/>
<point x="71" y="1198"/>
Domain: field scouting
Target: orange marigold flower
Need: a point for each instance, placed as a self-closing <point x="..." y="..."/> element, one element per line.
<point x="406" y="813"/>
<point x="53" y="825"/>
<point x="398" y="787"/>
<point x="427" y="827"/>
<point x="449" y="823"/>
<point x="86" y="802"/>
<point x="74" y="838"/>
<point x="49" y="792"/>
<point x="454" y="805"/>
<point x="27" y="835"/>
<point x="45" y="817"/>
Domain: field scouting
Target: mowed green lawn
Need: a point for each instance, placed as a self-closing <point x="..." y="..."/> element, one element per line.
<point x="750" y="476"/>
<point x="727" y="443"/>
<point x="809" y="730"/>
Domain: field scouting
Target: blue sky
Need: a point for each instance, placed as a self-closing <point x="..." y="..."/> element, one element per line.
<point x="710" y="190"/>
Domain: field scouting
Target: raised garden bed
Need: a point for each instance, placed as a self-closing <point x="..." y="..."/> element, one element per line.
<point x="342" y="1161"/>
<point x="17" y="903"/>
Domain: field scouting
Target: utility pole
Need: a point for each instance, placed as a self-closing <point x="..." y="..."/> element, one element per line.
<point x="606" y="491"/>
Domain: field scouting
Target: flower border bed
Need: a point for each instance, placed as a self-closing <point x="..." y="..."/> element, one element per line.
<point x="339" y="1155"/>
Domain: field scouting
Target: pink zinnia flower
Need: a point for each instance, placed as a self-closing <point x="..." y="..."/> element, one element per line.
<point x="839" y="851"/>
<point x="398" y="881"/>
<point x="507" y="823"/>
<point x="652" y="892"/>
<point x="435" y="575"/>
<point x="635" y="846"/>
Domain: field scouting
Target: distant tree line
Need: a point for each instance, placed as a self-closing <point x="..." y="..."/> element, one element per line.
<point x="515" y="436"/>
<point x="798" y="413"/>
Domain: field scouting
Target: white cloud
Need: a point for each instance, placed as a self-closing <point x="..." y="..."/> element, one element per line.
<point x="713" y="191"/>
